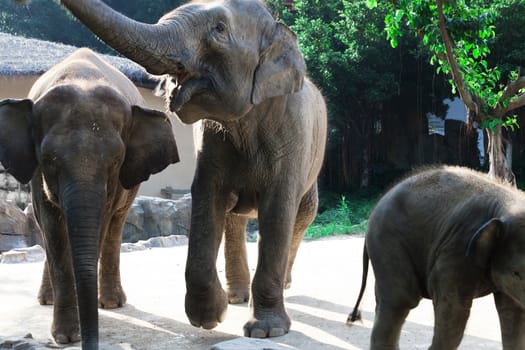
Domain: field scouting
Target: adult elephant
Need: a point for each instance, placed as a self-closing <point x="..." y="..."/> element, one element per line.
<point x="261" y="143"/>
<point x="85" y="142"/>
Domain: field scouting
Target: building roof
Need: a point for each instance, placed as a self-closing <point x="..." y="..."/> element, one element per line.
<point x="23" y="56"/>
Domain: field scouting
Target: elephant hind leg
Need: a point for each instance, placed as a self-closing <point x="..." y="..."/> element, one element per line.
<point x="388" y="321"/>
<point x="396" y="294"/>
<point x="237" y="270"/>
<point x="45" y="293"/>
<point x="305" y="216"/>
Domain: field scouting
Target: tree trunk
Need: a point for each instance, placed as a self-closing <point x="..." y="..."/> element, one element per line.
<point x="365" y="174"/>
<point x="500" y="157"/>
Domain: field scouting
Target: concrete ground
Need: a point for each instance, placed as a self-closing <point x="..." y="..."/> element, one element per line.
<point x="326" y="282"/>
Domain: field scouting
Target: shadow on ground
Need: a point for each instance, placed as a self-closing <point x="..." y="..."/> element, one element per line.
<point x="357" y="336"/>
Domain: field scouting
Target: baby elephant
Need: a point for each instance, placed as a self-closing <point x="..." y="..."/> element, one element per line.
<point x="85" y="142"/>
<point x="449" y="234"/>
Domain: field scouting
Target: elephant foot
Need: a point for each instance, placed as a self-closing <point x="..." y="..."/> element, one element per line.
<point x="206" y="309"/>
<point x="267" y="324"/>
<point x="238" y="295"/>
<point x="111" y="299"/>
<point x="65" y="328"/>
<point x="45" y="295"/>
<point x="66" y="338"/>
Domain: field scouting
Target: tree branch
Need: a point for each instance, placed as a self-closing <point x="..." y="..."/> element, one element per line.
<point x="465" y="95"/>
<point x="513" y="88"/>
<point x="515" y="103"/>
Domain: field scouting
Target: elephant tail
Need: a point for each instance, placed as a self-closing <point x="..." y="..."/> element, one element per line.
<point x="356" y="313"/>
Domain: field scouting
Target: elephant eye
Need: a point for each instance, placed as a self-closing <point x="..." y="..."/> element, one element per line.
<point x="220" y="27"/>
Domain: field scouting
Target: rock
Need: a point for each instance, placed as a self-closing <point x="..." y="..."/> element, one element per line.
<point x="12" y="257"/>
<point x="14" y="228"/>
<point x="11" y="190"/>
<point x="155" y="242"/>
<point x="245" y="343"/>
<point x="131" y="247"/>
<point x="26" y="343"/>
<point x="156" y="217"/>
<point x="134" y="226"/>
<point x="32" y="254"/>
<point x="34" y="229"/>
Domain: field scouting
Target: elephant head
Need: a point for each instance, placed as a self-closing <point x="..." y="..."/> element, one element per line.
<point x="131" y="142"/>
<point x="499" y="246"/>
<point x="221" y="57"/>
<point x="81" y="148"/>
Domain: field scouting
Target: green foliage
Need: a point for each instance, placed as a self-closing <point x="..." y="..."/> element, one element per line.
<point x="510" y="122"/>
<point x="471" y="26"/>
<point x="345" y="217"/>
<point x="343" y="47"/>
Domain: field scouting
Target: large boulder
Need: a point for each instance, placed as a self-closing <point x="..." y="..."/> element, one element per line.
<point x="148" y="217"/>
<point x="154" y="217"/>
<point x="16" y="230"/>
<point x="13" y="191"/>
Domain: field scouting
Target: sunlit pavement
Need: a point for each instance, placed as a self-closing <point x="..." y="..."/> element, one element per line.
<point x="326" y="281"/>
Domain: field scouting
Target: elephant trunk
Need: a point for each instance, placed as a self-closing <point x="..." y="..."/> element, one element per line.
<point x="140" y="42"/>
<point x="83" y="213"/>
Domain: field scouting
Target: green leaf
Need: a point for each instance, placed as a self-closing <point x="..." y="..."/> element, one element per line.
<point x="371" y="4"/>
<point x="393" y="42"/>
<point x="399" y="15"/>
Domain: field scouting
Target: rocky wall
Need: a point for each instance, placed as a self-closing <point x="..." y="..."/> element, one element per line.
<point x="148" y="217"/>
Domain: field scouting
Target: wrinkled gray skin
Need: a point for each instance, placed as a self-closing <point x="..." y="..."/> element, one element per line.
<point x="261" y="139"/>
<point x="85" y="143"/>
<point x="449" y="234"/>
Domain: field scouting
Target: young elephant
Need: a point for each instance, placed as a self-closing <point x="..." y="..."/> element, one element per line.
<point x="85" y="142"/>
<point x="449" y="234"/>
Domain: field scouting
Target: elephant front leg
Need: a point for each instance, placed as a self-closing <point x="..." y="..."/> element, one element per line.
<point x="65" y="327"/>
<point x="237" y="270"/>
<point x="206" y="302"/>
<point x="58" y="282"/>
<point x="110" y="292"/>
<point x="512" y="322"/>
<point x="451" y="317"/>
<point x="269" y="317"/>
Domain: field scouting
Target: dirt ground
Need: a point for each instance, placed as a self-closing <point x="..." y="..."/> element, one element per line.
<point x="326" y="282"/>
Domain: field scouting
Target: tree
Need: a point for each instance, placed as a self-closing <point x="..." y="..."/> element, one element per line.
<point x="367" y="84"/>
<point x="458" y="33"/>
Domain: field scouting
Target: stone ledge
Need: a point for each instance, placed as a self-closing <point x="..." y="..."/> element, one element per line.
<point x="23" y="255"/>
<point x="244" y="343"/>
<point x="155" y="242"/>
<point x="36" y="253"/>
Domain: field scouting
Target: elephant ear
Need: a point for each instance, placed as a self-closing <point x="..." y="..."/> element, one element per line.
<point x="482" y="242"/>
<point x="17" y="150"/>
<point x="150" y="148"/>
<point x="281" y="68"/>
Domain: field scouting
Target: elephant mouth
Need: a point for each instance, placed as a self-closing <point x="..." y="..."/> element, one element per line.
<point x="185" y="86"/>
<point x="181" y="78"/>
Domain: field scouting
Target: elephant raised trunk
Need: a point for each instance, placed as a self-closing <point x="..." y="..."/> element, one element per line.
<point x="83" y="214"/>
<point x="138" y="41"/>
<point x="231" y="62"/>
